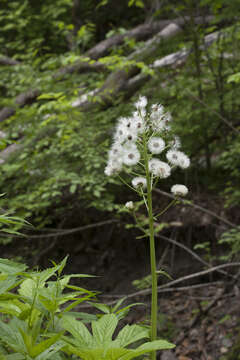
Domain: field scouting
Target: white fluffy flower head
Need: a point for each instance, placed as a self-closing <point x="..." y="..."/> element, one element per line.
<point x="141" y="136"/>
<point x="179" y="190"/>
<point x="114" y="166"/>
<point x="129" y="205"/>
<point x="141" y="102"/>
<point x="156" y="145"/>
<point x="131" y="155"/>
<point x="159" y="168"/>
<point x="178" y="158"/>
<point x="159" y="119"/>
<point x="175" y="144"/>
<point x="139" y="182"/>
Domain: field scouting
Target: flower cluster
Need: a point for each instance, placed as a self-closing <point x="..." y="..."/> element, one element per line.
<point x="153" y="127"/>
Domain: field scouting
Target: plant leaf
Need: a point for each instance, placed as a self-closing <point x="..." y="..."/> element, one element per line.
<point x="148" y="347"/>
<point x="78" y="330"/>
<point x="104" y="328"/>
<point x="132" y="333"/>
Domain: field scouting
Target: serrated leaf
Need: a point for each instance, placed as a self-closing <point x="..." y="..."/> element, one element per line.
<point x="132" y="333"/>
<point x="27" y="288"/>
<point x="11" y="267"/>
<point x="78" y="330"/>
<point x="148" y="347"/>
<point x="8" y="284"/>
<point x="104" y="328"/>
<point x="44" y="345"/>
<point x="50" y="351"/>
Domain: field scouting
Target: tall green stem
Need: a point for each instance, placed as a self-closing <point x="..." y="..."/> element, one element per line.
<point x="152" y="252"/>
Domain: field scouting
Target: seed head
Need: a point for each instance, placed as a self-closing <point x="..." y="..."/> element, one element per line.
<point x="159" y="168"/>
<point x="178" y="158"/>
<point x="179" y="190"/>
<point x="156" y="145"/>
<point x="139" y="182"/>
<point x="129" y="205"/>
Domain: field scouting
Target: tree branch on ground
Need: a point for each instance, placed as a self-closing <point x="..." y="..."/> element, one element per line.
<point x="21" y="100"/>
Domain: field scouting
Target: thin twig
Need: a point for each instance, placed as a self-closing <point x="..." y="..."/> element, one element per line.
<point x="67" y="231"/>
<point x="168" y="287"/>
<point x="172" y="241"/>
<point x="213" y="111"/>
<point x="197" y="207"/>
<point x="187" y="277"/>
<point x="167" y="290"/>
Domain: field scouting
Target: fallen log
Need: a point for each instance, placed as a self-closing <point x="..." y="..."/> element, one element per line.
<point x="126" y="82"/>
<point x="140" y="33"/>
<point x="21" y="100"/>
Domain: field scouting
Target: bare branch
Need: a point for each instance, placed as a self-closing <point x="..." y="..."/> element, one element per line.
<point x="67" y="231"/>
<point x="195" y="255"/>
<point x="227" y="222"/>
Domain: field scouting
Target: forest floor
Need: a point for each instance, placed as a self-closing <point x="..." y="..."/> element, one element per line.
<point x="203" y="322"/>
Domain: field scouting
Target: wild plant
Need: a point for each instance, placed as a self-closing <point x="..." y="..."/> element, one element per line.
<point x="37" y="321"/>
<point x="31" y="314"/>
<point x="147" y="150"/>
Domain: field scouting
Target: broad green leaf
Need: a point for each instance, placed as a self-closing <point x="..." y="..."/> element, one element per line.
<point x="10" y="283"/>
<point x="11" y="335"/>
<point x="131" y="333"/>
<point x="148" y="347"/>
<point x="104" y="328"/>
<point x="11" y="267"/>
<point x="27" y="288"/>
<point x="84" y="353"/>
<point x="78" y="330"/>
<point x="54" y="349"/>
<point x="44" y="345"/>
<point x="7" y="307"/>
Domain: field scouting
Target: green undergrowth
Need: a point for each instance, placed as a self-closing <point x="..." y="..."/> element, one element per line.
<point x="39" y="319"/>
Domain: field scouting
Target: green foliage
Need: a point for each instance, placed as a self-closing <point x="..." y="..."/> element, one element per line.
<point x="117" y="310"/>
<point x="230" y="162"/>
<point x="231" y="238"/>
<point x="63" y="156"/>
<point x="30" y="326"/>
<point x="32" y="27"/>
<point x="35" y="316"/>
<point x="138" y="3"/>
<point x="100" y="345"/>
<point x="9" y="225"/>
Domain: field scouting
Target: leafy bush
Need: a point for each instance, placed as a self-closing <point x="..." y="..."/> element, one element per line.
<point x="36" y="311"/>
